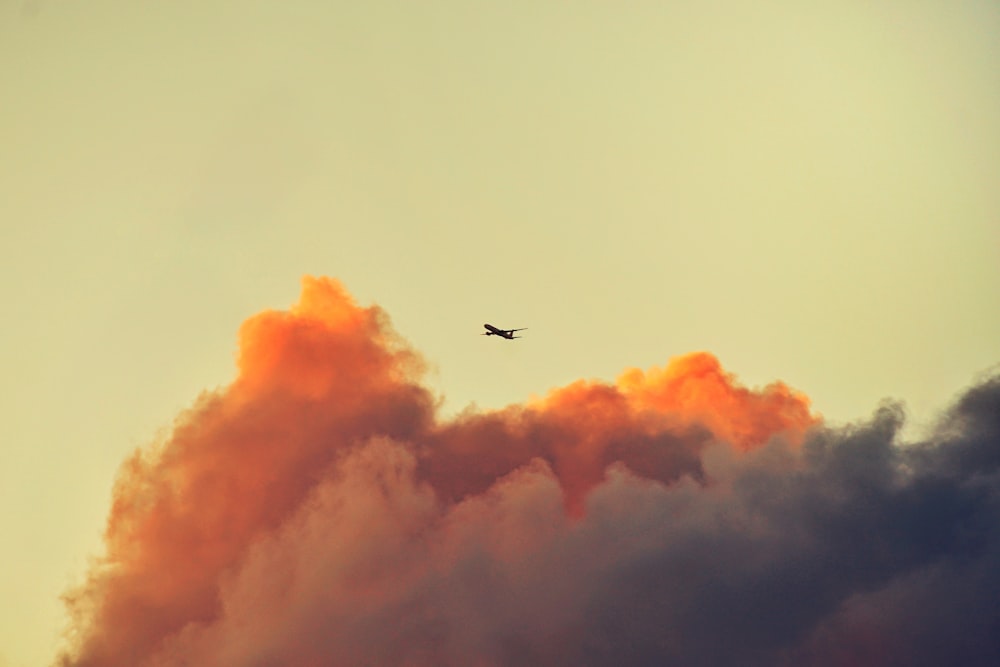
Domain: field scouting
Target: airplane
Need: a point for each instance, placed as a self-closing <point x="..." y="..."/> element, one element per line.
<point x="503" y="333"/>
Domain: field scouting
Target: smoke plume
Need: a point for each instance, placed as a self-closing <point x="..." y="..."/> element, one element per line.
<point x="317" y="512"/>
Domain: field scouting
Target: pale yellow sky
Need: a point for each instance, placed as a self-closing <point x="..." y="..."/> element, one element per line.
<point x="808" y="190"/>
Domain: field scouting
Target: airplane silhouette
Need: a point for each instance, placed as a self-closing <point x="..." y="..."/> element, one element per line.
<point x="503" y="333"/>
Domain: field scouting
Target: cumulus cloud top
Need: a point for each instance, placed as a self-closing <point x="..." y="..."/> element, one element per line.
<point x="318" y="512"/>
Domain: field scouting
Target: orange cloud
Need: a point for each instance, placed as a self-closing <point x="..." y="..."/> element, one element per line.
<point x="655" y="423"/>
<point x="316" y="511"/>
<point x="312" y="382"/>
<point x="696" y="389"/>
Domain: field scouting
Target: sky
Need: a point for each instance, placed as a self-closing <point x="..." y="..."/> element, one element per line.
<point x="808" y="195"/>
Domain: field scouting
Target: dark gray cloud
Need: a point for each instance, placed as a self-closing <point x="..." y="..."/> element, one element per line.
<point x="868" y="551"/>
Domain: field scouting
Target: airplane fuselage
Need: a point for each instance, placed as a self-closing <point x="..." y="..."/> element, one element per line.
<point x="503" y="333"/>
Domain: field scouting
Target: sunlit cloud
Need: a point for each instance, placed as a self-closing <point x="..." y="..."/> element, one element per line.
<point x="318" y="511"/>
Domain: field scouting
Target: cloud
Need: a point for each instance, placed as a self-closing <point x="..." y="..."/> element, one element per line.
<point x="318" y="512"/>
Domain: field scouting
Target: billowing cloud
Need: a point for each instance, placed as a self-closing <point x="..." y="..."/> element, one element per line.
<point x="318" y="512"/>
